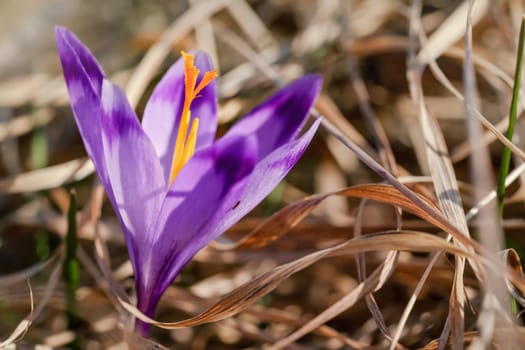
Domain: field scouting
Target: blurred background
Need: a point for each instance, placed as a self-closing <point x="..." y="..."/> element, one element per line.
<point x="361" y="47"/>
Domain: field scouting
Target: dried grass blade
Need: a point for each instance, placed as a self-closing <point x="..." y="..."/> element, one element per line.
<point x="385" y="151"/>
<point x="330" y="111"/>
<point x="285" y="219"/>
<point x="489" y="231"/>
<point x="411" y="303"/>
<point x="371" y="303"/>
<point x="470" y="215"/>
<point x="278" y="224"/>
<point x="388" y="160"/>
<point x="414" y="28"/>
<point x="240" y="298"/>
<point x="495" y="130"/>
<point x="49" y="177"/>
<point x="512" y="259"/>
<point x="152" y="60"/>
<point x="23" y="124"/>
<point x="245" y="295"/>
<point x="282" y="316"/>
<point x="27" y="273"/>
<point x="365" y="154"/>
<point x="101" y="249"/>
<point x="241" y="46"/>
<point x="206" y="39"/>
<point x="441" y="77"/>
<point x="324" y="103"/>
<point x="462" y="150"/>
<point x="21" y="329"/>
<point x="26" y="322"/>
<point x="413" y="202"/>
<point x="372" y="283"/>
<point x="501" y="334"/>
<point x="513" y="176"/>
<point x="442" y="172"/>
<point x="363" y="98"/>
<point x="450" y="31"/>
<point x="447" y="193"/>
<point x="136" y="342"/>
<point x="251" y="24"/>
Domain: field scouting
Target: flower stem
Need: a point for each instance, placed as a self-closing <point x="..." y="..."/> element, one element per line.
<point x="142" y="328"/>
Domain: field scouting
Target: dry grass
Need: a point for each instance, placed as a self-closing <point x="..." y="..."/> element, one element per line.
<point x="385" y="235"/>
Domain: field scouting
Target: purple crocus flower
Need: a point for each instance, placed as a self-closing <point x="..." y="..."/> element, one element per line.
<point x="173" y="186"/>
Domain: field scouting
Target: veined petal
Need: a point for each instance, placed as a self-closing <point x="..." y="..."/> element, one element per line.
<point x="279" y="119"/>
<point x="84" y="77"/>
<point x="164" y="108"/>
<point x="264" y="178"/>
<point x="209" y="186"/>
<point x="78" y="63"/>
<point x="133" y="168"/>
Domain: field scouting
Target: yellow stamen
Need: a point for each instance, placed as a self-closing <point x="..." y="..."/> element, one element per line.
<point x="180" y="141"/>
<point x="206" y="79"/>
<point x="185" y="143"/>
<point x="190" y="79"/>
<point x="191" y="141"/>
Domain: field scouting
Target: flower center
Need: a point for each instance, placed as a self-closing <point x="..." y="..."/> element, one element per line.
<point x="185" y="142"/>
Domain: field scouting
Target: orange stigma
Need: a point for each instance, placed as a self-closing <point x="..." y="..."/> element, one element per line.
<point x="185" y="143"/>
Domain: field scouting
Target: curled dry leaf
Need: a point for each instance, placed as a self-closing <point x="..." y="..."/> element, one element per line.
<point x="285" y="219"/>
<point x="278" y="224"/>
<point x="245" y="295"/>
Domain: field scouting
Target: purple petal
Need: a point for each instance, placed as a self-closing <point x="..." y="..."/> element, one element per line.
<point x="279" y="119"/>
<point x="133" y="168"/>
<point x="78" y="63"/>
<point x="84" y="77"/>
<point x="208" y="186"/>
<point x="162" y="113"/>
<point x="265" y="177"/>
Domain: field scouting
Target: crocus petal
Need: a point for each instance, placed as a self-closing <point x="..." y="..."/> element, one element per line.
<point x="209" y="185"/>
<point x="163" y="111"/>
<point x="84" y="77"/>
<point x="133" y="168"/>
<point x="265" y="177"/>
<point x="202" y="214"/>
<point x="279" y="119"/>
